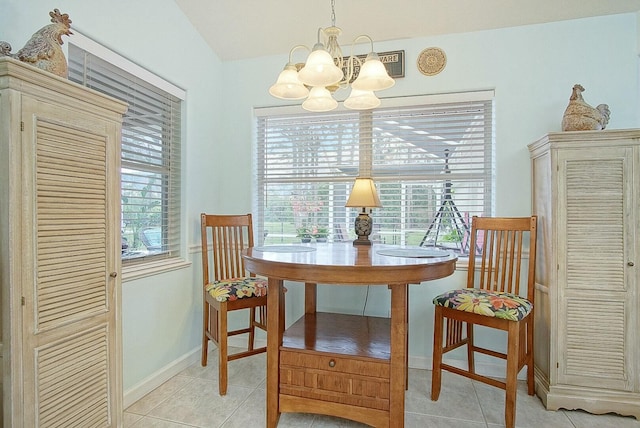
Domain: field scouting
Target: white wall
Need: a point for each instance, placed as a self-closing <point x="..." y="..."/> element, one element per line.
<point x="532" y="70"/>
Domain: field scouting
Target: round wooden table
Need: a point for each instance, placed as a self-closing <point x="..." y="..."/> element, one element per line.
<point x="350" y="366"/>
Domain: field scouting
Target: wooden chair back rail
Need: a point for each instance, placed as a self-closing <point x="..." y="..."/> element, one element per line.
<point x="228" y="243"/>
<point x="501" y="251"/>
<point x="497" y="249"/>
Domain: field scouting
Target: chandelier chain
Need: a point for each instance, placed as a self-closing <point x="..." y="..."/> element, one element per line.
<point x="333" y="13"/>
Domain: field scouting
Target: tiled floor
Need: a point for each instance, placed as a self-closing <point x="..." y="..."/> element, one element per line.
<point x="191" y="399"/>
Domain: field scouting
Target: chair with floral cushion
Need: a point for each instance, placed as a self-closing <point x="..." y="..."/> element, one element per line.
<point x="228" y="287"/>
<point x="492" y="299"/>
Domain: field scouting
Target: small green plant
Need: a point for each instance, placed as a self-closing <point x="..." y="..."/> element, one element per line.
<point x="452" y="235"/>
<point x="319" y="232"/>
<point x="303" y="232"/>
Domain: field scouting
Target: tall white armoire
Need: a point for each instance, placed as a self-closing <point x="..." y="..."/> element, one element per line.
<point x="586" y="193"/>
<point x="60" y="251"/>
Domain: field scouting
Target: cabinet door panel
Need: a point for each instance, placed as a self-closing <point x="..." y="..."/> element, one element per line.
<point x="595" y="241"/>
<point x="594" y="345"/>
<point x="597" y="198"/>
<point x="69" y="338"/>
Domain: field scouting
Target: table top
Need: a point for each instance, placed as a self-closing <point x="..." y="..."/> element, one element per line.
<point x="345" y="263"/>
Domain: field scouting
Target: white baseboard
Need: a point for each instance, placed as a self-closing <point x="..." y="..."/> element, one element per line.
<point x="156" y="379"/>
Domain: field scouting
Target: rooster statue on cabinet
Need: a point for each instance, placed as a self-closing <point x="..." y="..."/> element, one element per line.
<point x="43" y="50"/>
<point x="580" y="116"/>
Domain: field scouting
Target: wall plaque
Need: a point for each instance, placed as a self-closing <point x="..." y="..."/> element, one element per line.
<point x="431" y="61"/>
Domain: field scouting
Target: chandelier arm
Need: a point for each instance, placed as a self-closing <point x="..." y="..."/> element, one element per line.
<point x="354" y="60"/>
<point x="360" y="37"/>
<point x="295" y="48"/>
<point x="321" y="31"/>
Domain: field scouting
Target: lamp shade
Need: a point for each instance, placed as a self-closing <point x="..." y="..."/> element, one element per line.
<point x="363" y="194"/>
<point x="288" y="86"/>
<point x="373" y="75"/>
<point x="319" y="100"/>
<point x="319" y="69"/>
<point x="361" y="100"/>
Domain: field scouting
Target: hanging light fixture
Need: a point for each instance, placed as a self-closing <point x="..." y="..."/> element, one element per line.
<point x="325" y="71"/>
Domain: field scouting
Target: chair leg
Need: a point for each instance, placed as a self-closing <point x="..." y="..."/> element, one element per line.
<point x="205" y="338"/>
<point x="470" y="352"/>
<point x="436" y="374"/>
<point x="529" y="357"/>
<point x="252" y="327"/>
<point x="222" y="350"/>
<point x="513" y="354"/>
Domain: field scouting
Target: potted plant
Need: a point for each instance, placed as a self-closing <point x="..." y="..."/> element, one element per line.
<point x="320" y="234"/>
<point x="304" y="234"/>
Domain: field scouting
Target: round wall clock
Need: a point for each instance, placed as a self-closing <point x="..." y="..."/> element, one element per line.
<point x="431" y="61"/>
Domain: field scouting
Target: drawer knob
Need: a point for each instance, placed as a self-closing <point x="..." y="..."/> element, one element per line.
<point x="332" y="363"/>
<point x="630" y="263"/>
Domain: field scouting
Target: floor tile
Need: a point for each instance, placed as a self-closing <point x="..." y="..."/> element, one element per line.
<point x="414" y="420"/>
<point x="200" y="405"/>
<point x="322" y="421"/>
<point x="530" y="413"/>
<point x="148" y="422"/>
<point x="457" y="397"/>
<point x="158" y="395"/>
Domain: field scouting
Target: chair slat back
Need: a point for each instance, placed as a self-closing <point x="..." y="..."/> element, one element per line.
<point x="497" y="252"/>
<point x="223" y="239"/>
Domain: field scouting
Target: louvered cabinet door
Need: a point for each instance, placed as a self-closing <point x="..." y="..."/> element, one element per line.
<point x="597" y="307"/>
<point x="70" y="336"/>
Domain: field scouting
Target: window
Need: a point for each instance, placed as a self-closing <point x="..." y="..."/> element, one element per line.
<point x="430" y="157"/>
<point x="150" y="155"/>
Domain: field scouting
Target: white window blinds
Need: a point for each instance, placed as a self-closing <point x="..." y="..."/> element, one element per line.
<point x="151" y="156"/>
<point x="431" y="159"/>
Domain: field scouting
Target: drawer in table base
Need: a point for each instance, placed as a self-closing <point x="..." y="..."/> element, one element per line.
<point x="338" y="365"/>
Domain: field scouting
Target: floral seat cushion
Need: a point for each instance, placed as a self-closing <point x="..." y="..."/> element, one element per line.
<point x="237" y="288"/>
<point x="484" y="302"/>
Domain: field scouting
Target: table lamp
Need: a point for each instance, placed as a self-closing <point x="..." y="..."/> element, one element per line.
<point x="363" y="195"/>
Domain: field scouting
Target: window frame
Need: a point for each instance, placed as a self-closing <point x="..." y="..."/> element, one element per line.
<point x="365" y="165"/>
<point x="170" y="257"/>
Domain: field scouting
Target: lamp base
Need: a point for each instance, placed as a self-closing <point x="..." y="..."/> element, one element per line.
<point x="362" y="240"/>
<point x="363" y="226"/>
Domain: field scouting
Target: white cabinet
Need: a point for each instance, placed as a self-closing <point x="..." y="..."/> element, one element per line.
<point x="60" y="251"/>
<point x="586" y="193"/>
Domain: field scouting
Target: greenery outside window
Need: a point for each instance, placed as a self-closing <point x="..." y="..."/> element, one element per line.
<point x="431" y="158"/>
<point x="150" y="149"/>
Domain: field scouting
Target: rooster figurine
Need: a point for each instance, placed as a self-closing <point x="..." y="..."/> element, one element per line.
<point x="580" y="116"/>
<point x="43" y="48"/>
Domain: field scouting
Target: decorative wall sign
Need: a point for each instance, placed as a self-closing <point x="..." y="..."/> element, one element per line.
<point x="392" y="60"/>
<point x="432" y="61"/>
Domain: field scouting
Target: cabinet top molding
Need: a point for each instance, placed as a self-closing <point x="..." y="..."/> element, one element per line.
<point x="28" y="79"/>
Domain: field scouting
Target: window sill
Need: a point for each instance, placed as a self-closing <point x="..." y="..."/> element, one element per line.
<point x="133" y="272"/>
<point x="462" y="263"/>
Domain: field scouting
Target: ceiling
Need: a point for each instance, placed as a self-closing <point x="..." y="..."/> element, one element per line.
<point x="240" y="29"/>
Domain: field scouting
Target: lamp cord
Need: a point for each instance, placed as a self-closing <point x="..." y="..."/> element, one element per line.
<point x="366" y="297"/>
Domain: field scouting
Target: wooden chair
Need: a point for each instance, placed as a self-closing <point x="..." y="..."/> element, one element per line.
<point x="491" y="300"/>
<point x="228" y="287"/>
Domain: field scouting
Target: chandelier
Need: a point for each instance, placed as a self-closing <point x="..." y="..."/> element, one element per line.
<point x="325" y="71"/>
